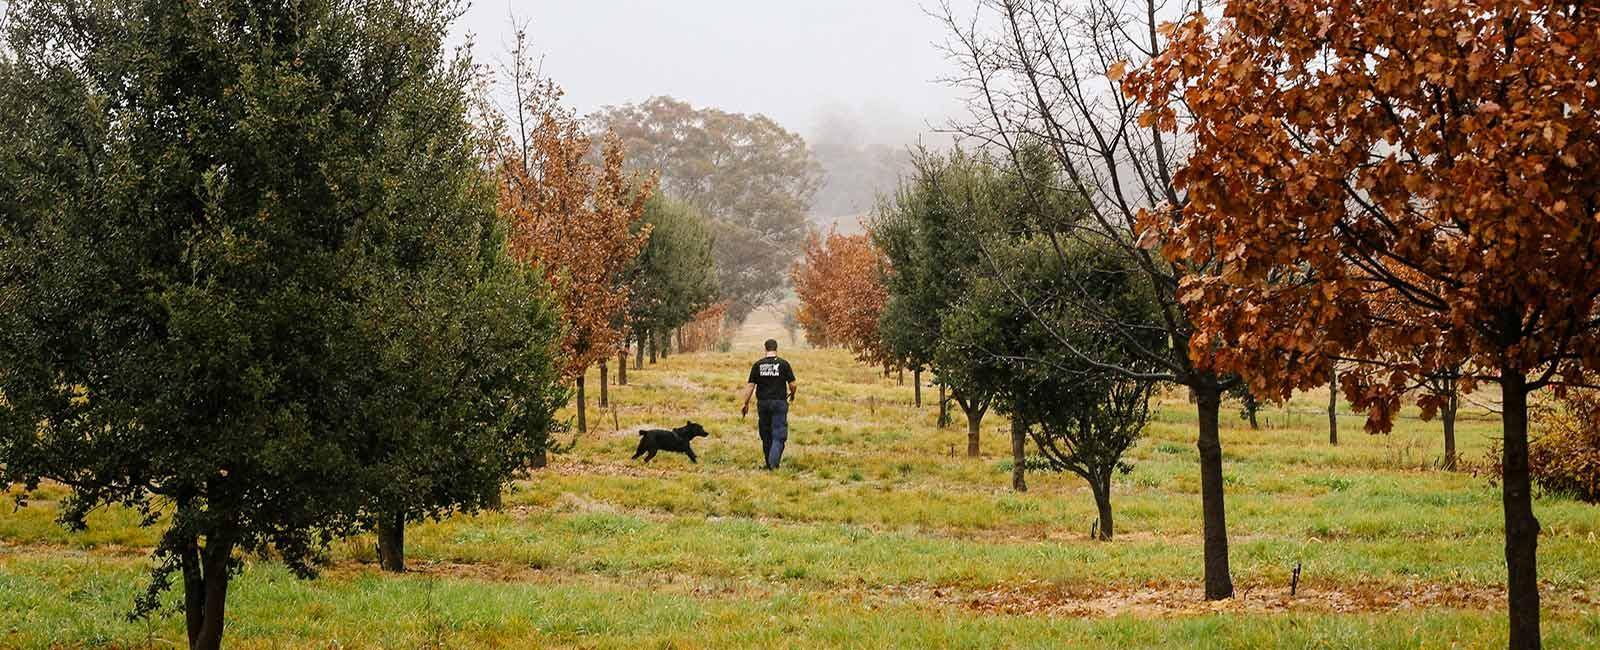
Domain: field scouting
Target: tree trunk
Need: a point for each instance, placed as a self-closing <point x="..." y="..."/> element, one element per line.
<point x="652" y="338"/>
<point x="1333" y="407"/>
<point x="666" y="343"/>
<point x="1448" y="414"/>
<point x="194" y="590"/>
<point x="604" y="397"/>
<point x="392" y="542"/>
<point x="622" y="367"/>
<point x="900" y="378"/>
<point x="638" y="354"/>
<point x="1102" y="502"/>
<point x="916" y="387"/>
<point x="1219" y="582"/>
<point x="1019" y="454"/>
<point x="205" y="587"/>
<point x="541" y="458"/>
<point x="975" y="413"/>
<point x="1522" y="529"/>
<point x="681" y="347"/>
<point x="583" y="424"/>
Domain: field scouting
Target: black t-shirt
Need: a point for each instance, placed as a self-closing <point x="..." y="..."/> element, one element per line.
<point x="769" y="375"/>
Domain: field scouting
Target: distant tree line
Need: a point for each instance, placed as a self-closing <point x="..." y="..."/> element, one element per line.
<point x="751" y="178"/>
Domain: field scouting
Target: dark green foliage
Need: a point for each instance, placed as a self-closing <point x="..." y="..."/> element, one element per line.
<point x="675" y="276"/>
<point x="1023" y="319"/>
<point x="940" y="233"/>
<point x="930" y="232"/>
<point x="925" y="233"/>
<point x="253" y="281"/>
<point x="1054" y="327"/>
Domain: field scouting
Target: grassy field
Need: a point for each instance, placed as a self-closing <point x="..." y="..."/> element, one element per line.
<point x="877" y="534"/>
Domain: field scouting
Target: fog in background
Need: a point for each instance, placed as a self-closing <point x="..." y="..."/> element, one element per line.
<point x="859" y="79"/>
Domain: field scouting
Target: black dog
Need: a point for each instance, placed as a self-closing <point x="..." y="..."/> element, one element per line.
<point x="654" y="440"/>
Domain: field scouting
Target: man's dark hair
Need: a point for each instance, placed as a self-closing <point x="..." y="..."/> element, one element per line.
<point x="771" y="345"/>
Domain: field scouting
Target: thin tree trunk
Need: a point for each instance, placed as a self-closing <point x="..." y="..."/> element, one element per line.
<point x="583" y="424"/>
<point x="604" y="397"/>
<point x="392" y="542"/>
<point x="900" y="378"/>
<point x="1522" y="529"/>
<point x="652" y="338"/>
<point x="205" y="582"/>
<point x="1019" y="454"/>
<point x="622" y="367"/>
<point x="1449" y="417"/>
<point x="1219" y="582"/>
<point x="638" y="354"/>
<point x="974" y="426"/>
<point x="944" y="407"/>
<point x="666" y="343"/>
<point x="916" y="387"/>
<point x="681" y="347"/>
<point x="1102" y="502"/>
<point x="1333" y="407"/>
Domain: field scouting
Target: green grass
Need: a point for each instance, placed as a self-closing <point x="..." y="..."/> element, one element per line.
<point x="878" y="532"/>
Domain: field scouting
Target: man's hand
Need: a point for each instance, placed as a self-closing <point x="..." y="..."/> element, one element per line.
<point x="744" y="411"/>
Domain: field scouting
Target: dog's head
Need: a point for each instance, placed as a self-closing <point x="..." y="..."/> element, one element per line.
<point x="691" y="430"/>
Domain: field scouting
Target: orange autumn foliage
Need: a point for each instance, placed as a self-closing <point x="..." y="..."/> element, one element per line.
<point x="842" y="296"/>
<point x="1381" y="177"/>
<point x="574" y="220"/>
<point x="1565" y="457"/>
<point x="707" y="329"/>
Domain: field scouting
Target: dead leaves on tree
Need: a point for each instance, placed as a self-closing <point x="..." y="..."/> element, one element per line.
<point x="574" y="220"/>
<point x="1377" y="177"/>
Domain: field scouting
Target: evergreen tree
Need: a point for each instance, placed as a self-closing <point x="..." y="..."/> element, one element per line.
<point x="255" y="286"/>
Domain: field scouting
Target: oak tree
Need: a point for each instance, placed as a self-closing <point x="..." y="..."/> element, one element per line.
<point x="577" y="221"/>
<point x="1382" y="175"/>
<point x="839" y="283"/>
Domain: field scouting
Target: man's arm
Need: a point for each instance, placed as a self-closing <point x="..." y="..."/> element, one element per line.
<point x="749" y="389"/>
<point x="788" y="375"/>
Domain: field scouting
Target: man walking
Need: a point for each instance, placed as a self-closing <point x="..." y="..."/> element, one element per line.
<point x="768" y="378"/>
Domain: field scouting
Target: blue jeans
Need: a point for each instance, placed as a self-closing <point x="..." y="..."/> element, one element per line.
<point x="772" y="417"/>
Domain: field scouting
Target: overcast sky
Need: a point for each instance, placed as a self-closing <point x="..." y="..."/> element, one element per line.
<point x="793" y="60"/>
